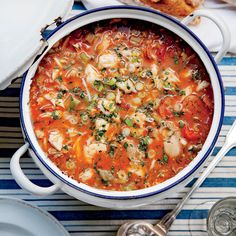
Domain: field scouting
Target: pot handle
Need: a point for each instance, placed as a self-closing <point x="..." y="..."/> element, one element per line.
<point x="219" y="23"/>
<point x="21" y="178"/>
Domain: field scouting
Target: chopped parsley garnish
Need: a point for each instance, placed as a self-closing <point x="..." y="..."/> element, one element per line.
<point x="75" y="89"/>
<point x="99" y="134"/>
<point x="143" y="144"/>
<point x="126" y="145"/>
<point x="98" y="85"/>
<point x="112" y="169"/>
<point x="120" y="137"/>
<point x="59" y="78"/>
<point x="110" y="82"/>
<point x="55" y="115"/>
<point x="182" y="92"/>
<point x="66" y="147"/>
<point x="61" y="93"/>
<point x="178" y="113"/>
<point x="165" y="158"/>
<point x="112" y="151"/>
<point x="103" y="70"/>
<point x="73" y="103"/>
<point x="148" y="73"/>
<point x="196" y="75"/>
<point x="82" y="94"/>
<point x="129" y="122"/>
<point x="176" y="60"/>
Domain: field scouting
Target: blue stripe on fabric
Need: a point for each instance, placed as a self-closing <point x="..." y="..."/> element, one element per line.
<point x="227" y="61"/>
<point x="125" y="215"/>
<point x="210" y="183"/>
<point x="11" y="184"/>
<point x="232" y="152"/>
<point x="216" y="183"/>
<point x="230" y="91"/>
<point x="10" y="92"/>
<point x="78" y="6"/>
<point x="12" y="122"/>
<point x="229" y="120"/>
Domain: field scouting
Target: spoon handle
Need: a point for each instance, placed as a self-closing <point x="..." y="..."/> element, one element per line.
<point x="230" y="142"/>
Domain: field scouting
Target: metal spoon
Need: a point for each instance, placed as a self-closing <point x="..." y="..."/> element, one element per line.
<point x="163" y="226"/>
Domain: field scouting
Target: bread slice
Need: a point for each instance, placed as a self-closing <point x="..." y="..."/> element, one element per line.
<point x="178" y="8"/>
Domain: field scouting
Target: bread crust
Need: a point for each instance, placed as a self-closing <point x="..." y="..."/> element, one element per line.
<point x="178" y="8"/>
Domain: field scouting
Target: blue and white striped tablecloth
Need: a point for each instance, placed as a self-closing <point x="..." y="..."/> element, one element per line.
<point x="82" y="219"/>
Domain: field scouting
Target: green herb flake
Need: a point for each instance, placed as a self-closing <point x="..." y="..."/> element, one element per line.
<point x="55" y="116"/>
<point x="176" y="60"/>
<point x="178" y="113"/>
<point x="181" y="124"/>
<point x="129" y="122"/>
<point x="126" y="145"/>
<point x="65" y="147"/>
<point x="120" y="137"/>
<point x="165" y="158"/>
<point x="182" y="93"/>
<point x="143" y="144"/>
<point x="82" y="94"/>
<point x="112" y="169"/>
<point x="148" y="73"/>
<point x="98" y="85"/>
<point x="112" y="151"/>
<point x="103" y="70"/>
<point x="59" y="78"/>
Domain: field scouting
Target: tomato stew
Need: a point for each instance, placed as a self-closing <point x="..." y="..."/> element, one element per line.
<point x="121" y="104"/>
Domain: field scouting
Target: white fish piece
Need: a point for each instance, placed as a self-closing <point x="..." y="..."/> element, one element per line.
<point x="118" y="96"/>
<point x="72" y="132"/>
<point x="91" y="74"/>
<point x="39" y="133"/>
<point x="86" y="174"/>
<point x="158" y="83"/>
<point x="106" y="106"/>
<point x="169" y="75"/>
<point x="92" y="148"/>
<point x="55" y="73"/>
<point x="127" y="86"/>
<point x="56" y="139"/>
<point x="202" y="85"/>
<point x="172" y="146"/>
<point x="108" y="60"/>
<point x="101" y="124"/>
<point x="154" y="70"/>
<point x="105" y="174"/>
<point x="123" y="177"/>
<point x="139" y="118"/>
<point x="135" y="155"/>
<point x="52" y="97"/>
<point x="71" y="118"/>
<point x="139" y="171"/>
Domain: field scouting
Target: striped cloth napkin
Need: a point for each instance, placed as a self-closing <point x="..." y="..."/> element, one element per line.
<point x="206" y="30"/>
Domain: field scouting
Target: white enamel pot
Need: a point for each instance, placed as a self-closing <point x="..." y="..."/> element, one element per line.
<point x="125" y="199"/>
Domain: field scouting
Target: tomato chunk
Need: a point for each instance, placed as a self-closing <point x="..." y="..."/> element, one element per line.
<point x="190" y="134"/>
<point x="166" y="107"/>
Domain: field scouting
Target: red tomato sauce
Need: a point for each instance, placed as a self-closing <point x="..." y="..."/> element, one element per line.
<point x="121" y="105"/>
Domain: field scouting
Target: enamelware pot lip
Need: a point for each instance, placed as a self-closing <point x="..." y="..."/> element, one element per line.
<point x="151" y="193"/>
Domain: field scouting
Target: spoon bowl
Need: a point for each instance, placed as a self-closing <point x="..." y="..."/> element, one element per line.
<point x="141" y="229"/>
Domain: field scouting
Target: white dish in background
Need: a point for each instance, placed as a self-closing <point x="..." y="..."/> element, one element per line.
<point x="20" y="37"/>
<point x="19" y="218"/>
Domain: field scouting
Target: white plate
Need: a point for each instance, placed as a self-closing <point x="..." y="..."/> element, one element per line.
<point x="18" y="218"/>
